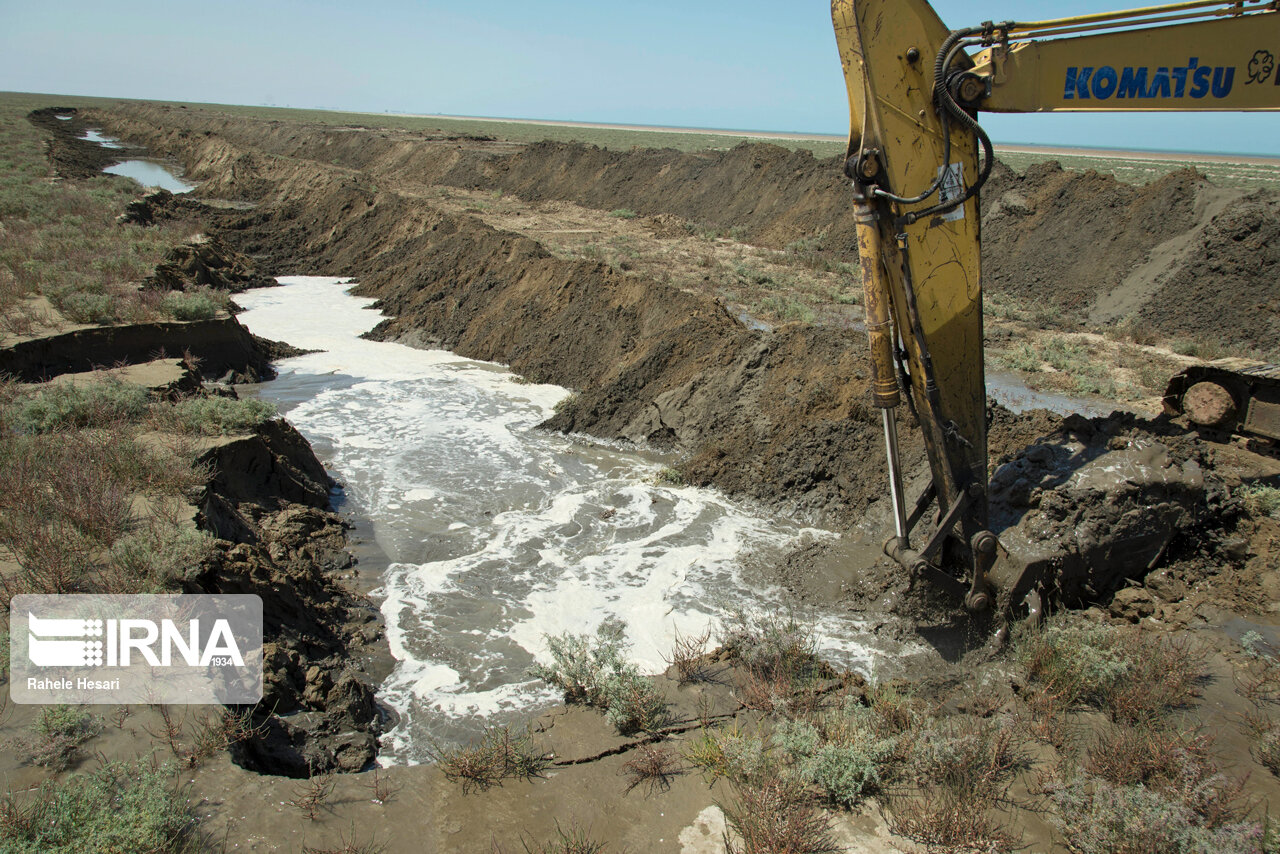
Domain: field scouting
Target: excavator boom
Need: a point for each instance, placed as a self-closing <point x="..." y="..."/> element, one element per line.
<point x="917" y="158"/>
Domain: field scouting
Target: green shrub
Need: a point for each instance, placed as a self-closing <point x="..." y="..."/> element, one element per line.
<point x="623" y="213"/>
<point x="215" y="415"/>
<point x="1098" y="818"/>
<point x="120" y="807"/>
<point x="184" y="306"/>
<point x="669" y="476"/>
<point x="769" y="643"/>
<point x="594" y="671"/>
<point x="54" y="738"/>
<point x="156" y="559"/>
<point x="83" y="307"/>
<point x="63" y="406"/>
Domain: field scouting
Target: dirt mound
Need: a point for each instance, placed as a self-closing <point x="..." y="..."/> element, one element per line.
<point x="1227" y="290"/>
<point x="208" y="263"/>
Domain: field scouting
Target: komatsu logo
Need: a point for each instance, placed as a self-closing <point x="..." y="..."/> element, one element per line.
<point x="1192" y="80"/>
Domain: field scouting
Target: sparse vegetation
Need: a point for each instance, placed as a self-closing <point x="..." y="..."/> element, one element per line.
<point x="53" y="740"/>
<point x="119" y="807"/>
<point x="622" y="213"/>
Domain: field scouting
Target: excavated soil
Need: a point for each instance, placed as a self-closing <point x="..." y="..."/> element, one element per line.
<point x="773" y="411"/>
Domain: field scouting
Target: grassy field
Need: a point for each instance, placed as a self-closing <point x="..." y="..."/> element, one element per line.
<point x="60" y="240"/>
<point x="1135" y="170"/>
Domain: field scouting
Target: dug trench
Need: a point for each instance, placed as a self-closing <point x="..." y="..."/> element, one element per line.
<point x="777" y="414"/>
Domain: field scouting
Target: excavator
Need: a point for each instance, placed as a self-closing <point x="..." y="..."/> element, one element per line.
<point x="917" y="159"/>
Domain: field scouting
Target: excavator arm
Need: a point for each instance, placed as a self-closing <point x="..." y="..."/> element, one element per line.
<point x="917" y="159"/>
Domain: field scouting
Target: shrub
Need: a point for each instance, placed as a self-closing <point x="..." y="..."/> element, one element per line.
<point x="653" y="767"/>
<point x="976" y="759"/>
<point x="1132" y="675"/>
<point x="592" y="670"/>
<point x="842" y="755"/>
<point x="211" y="416"/>
<point x="1260" y="500"/>
<point x="185" y="306"/>
<point x="670" y="477"/>
<point x="1096" y="817"/>
<point x="65" y="406"/>
<point x="769" y="643"/>
<point x="120" y="807"/>
<point x="623" y="213"/>
<point x="55" y="737"/>
<point x="156" y="558"/>
<point x="938" y="818"/>
<point x="85" y="307"/>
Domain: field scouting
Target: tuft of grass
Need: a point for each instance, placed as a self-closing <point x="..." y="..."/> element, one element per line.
<point x="119" y="807"/>
<point x="497" y="756"/>
<point x="54" y="738"/>
<point x="689" y="657"/>
<point x="575" y="840"/>
<point x="623" y="213"/>
<point x="1260" y="500"/>
<point x="653" y="767"/>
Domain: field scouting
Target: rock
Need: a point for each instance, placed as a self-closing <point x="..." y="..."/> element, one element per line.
<point x="1133" y="604"/>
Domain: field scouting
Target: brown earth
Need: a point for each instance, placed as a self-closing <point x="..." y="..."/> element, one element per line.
<point x="773" y="412"/>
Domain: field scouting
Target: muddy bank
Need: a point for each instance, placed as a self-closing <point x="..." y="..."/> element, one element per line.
<point x="268" y="504"/>
<point x="1092" y="249"/>
<point x="221" y="345"/>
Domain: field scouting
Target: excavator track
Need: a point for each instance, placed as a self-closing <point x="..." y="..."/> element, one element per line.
<point x="1231" y="395"/>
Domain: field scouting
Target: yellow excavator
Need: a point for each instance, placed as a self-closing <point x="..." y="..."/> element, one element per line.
<point x="917" y="159"/>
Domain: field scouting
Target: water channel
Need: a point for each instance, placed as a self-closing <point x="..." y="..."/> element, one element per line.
<point x="498" y="533"/>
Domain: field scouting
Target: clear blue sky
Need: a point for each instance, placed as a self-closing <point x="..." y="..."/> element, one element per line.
<point x="748" y="64"/>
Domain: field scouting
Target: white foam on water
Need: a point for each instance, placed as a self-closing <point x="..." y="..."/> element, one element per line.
<point x="501" y="534"/>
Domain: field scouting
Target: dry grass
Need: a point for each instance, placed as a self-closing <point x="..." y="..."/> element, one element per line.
<point x="312" y="796"/>
<point x="948" y="824"/>
<point x="653" y="767"/>
<point x="689" y="657"/>
<point x="497" y="756"/>
<point x="776" y="817"/>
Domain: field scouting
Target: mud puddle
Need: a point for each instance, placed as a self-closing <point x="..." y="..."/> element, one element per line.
<point x="98" y="137"/>
<point x="499" y="533"/>
<point x="151" y="175"/>
<point x="1011" y="391"/>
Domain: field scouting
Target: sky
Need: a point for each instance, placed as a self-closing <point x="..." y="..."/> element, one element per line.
<point x="744" y="65"/>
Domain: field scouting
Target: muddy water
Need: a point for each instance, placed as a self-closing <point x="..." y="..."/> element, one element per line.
<point x="499" y="533"/>
<point x="151" y="174"/>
